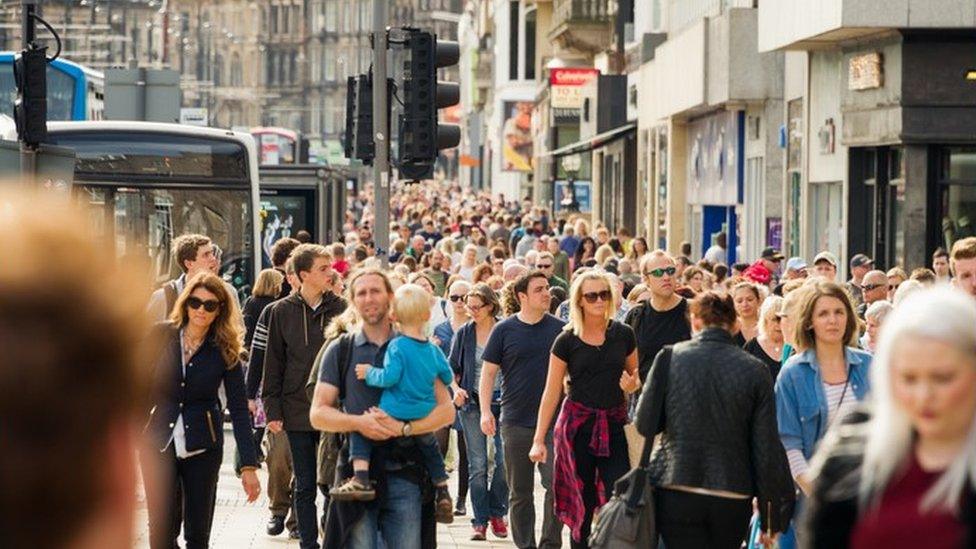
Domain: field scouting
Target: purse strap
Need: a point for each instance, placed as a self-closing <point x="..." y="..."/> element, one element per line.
<point x="636" y="489"/>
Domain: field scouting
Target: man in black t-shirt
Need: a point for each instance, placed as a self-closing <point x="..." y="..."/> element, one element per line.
<point x="659" y="321"/>
<point x="519" y="347"/>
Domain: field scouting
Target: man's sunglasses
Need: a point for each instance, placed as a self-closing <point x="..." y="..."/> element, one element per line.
<point x="592" y="297"/>
<point x="540" y="266"/>
<point x="658" y="273"/>
<point x="210" y="305"/>
<point x="456" y="298"/>
<point x="869" y="287"/>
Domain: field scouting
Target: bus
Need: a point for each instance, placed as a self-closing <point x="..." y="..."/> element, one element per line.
<point x="74" y="92"/>
<point x="280" y="146"/>
<point x="146" y="183"/>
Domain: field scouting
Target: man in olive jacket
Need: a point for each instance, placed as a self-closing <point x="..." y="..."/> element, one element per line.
<point x="296" y="332"/>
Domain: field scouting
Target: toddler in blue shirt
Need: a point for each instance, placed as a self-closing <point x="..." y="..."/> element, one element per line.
<point x="410" y="367"/>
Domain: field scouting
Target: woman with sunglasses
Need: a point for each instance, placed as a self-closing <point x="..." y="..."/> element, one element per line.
<point x="203" y="342"/>
<point x="768" y="345"/>
<point x="489" y="493"/>
<point x="599" y="355"/>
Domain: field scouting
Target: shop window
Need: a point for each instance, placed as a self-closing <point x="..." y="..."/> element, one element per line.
<point x="957" y="184"/>
<point x="826" y="217"/>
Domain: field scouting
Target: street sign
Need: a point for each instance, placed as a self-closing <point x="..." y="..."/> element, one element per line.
<point x="194" y="116"/>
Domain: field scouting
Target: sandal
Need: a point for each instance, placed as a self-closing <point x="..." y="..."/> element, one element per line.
<point x="353" y="490"/>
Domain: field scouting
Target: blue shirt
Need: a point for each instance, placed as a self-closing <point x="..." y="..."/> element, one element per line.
<point x="569" y="244"/>
<point x="801" y="404"/>
<point x="407" y="377"/>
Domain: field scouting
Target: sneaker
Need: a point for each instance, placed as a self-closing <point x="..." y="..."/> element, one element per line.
<point x="276" y="525"/>
<point x="444" y="505"/>
<point x="459" y="510"/>
<point x="353" y="490"/>
<point x="294" y="534"/>
<point x="498" y="527"/>
<point x="478" y="533"/>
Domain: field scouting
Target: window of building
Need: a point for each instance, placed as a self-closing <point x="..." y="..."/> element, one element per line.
<point x="273" y="19"/>
<point x="236" y="71"/>
<point x="529" y="56"/>
<point x="513" y="40"/>
<point x="293" y="68"/>
<point x="331" y="16"/>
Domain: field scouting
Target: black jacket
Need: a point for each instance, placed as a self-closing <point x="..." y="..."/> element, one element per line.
<point x="251" y="312"/>
<point x="831" y="510"/>
<point x="195" y="396"/>
<point x="719" y="425"/>
<point x="295" y="335"/>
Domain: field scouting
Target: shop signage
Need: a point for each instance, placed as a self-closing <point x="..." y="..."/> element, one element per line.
<point x="865" y="72"/>
<point x="713" y="149"/>
<point x="566" y="86"/>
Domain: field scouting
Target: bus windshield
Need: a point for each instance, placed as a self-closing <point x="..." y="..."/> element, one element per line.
<point x="60" y="92"/>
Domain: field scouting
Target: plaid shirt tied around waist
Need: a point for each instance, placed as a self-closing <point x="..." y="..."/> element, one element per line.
<point x="567" y="486"/>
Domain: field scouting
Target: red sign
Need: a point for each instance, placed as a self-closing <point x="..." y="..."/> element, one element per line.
<point x="572" y="76"/>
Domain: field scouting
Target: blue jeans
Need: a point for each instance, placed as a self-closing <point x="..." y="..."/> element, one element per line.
<point x="485" y="501"/>
<point x="361" y="447"/>
<point x="395" y="520"/>
<point x="304" y="449"/>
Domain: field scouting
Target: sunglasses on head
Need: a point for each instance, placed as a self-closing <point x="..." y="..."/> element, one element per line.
<point x="592" y="297"/>
<point x="456" y="298"/>
<point x="210" y="305"/>
<point x="658" y="273"/>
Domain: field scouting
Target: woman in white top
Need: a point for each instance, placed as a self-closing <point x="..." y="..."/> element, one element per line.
<point x="468" y="262"/>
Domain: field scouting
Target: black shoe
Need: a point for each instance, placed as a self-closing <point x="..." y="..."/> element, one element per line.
<point x="276" y="525"/>
<point x="460" y="511"/>
<point x="294" y="534"/>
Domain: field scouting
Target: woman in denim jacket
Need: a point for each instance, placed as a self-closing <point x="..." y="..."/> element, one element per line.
<point x="825" y="379"/>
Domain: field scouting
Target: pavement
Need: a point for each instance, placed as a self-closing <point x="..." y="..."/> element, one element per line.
<point x="241" y="525"/>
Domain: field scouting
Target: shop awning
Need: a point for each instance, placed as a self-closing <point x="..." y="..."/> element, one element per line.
<point x="593" y="142"/>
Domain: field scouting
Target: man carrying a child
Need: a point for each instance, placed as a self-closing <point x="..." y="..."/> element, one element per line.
<point x="402" y="512"/>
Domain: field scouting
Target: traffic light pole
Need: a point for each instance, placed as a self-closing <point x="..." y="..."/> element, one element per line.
<point x="381" y="135"/>
<point x="28" y="152"/>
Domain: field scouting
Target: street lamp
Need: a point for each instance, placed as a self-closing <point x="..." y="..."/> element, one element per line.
<point x="571" y="165"/>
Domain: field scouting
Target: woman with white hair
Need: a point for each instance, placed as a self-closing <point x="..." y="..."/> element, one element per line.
<point x="874" y="316"/>
<point x="768" y="345"/>
<point x="902" y="472"/>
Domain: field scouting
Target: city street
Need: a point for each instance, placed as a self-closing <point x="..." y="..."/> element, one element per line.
<point x="240" y="525"/>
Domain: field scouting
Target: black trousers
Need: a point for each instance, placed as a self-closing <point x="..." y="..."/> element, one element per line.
<point x="588" y="466"/>
<point x="166" y="477"/>
<point x="693" y="521"/>
<point x="462" y="493"/>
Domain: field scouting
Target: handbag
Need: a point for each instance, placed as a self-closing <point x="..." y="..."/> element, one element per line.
<point x="627" y="520"/>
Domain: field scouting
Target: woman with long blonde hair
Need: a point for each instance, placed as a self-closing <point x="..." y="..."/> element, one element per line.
<point x="203" y="344"/>
<point x="600" y="356"/>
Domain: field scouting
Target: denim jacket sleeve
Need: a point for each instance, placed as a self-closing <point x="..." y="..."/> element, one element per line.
<point x="787" y="409"/>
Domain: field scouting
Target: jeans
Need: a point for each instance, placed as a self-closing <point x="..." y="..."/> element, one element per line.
<point x="395" y="520"/>
<point x="361" y="447"/>
<point x="488" y="499"/>
<point x="610" y="469"/>
<point x="517" y="441"/>
<point x="196" y="478"/>
<point x="699" y="521"/>
<point x="304" y="450"/>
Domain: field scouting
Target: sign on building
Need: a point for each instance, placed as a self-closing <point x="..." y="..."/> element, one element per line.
<point x="865" y="72"/>
<point x="194" y="116"/>
<point x="566" y="86"/>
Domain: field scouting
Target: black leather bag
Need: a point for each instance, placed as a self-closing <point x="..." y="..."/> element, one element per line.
<point x="627" y="520"/>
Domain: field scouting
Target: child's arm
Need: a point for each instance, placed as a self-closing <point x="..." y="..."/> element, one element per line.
<point x="391" y="372"/>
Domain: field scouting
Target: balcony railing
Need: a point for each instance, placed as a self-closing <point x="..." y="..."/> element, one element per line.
<point x="581" y="11"/>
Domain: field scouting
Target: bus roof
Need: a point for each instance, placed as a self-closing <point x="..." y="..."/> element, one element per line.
<point x="147" y="127"/>
<point x="8" y="57"/>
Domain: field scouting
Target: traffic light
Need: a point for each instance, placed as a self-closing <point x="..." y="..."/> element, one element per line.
<point x="359" y="119"/>
<point x="30" y="106"/>
<point x="421" y="137"/>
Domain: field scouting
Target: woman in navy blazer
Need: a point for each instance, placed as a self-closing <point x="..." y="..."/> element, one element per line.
<point x="202" y="346"/>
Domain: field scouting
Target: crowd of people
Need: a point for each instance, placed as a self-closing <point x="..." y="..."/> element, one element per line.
<point x="770" y="402"/>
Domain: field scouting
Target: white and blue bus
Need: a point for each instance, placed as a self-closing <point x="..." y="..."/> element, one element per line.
<point x="146" y="183"/>
<point x="74" y="92"/>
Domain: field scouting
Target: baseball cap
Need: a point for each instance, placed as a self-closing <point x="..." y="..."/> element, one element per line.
<point x="771" y="254"/>
<point x="825" y="256"/>
<point x="796" y="264"/>
<point x="861" y="260"/>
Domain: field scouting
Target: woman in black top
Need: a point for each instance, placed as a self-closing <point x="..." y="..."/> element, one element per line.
<point x="720" y="445"/>
<point x="202" y="349"/>
<point x="600" y="356"/>
<point x="266" y="289"/>
<point x="768" y="345"/>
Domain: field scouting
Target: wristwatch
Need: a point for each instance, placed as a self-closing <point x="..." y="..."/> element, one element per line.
<point x="407" y="429"/>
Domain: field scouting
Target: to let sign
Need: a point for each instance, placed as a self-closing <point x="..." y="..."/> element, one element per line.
<point x="865" y="71"/>
<point x="566" y="86"/>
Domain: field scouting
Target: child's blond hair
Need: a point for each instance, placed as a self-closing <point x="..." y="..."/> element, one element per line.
<point x="411" y="305"/>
